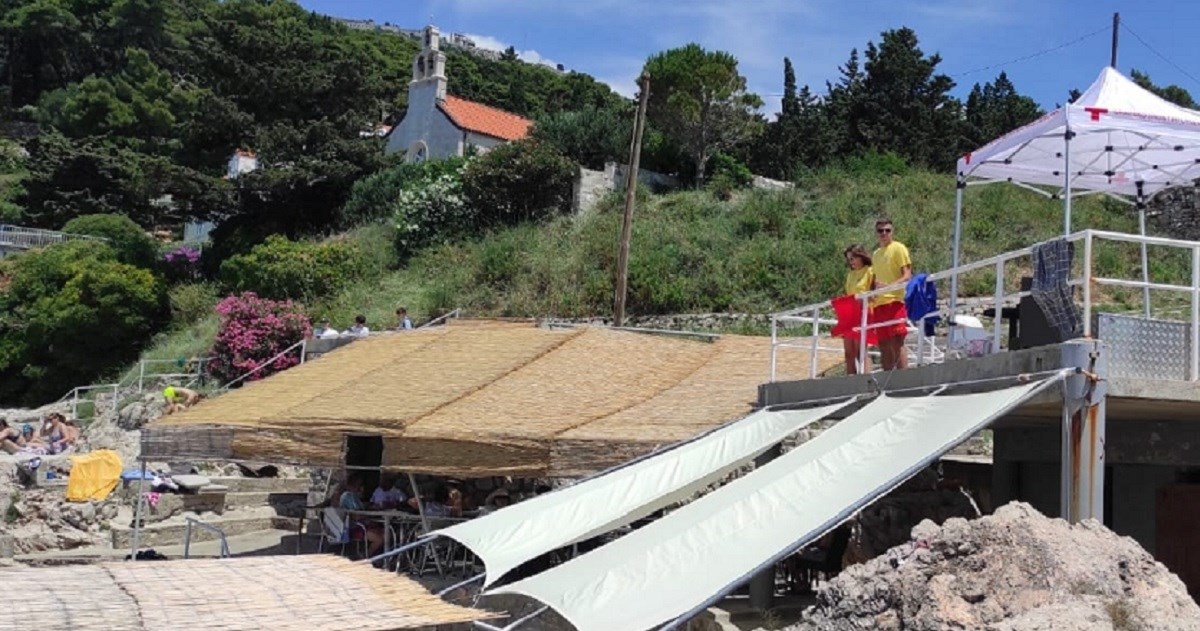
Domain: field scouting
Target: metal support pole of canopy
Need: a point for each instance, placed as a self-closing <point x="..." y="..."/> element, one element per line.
<point x="960" y="186"/>
<point x="1141" y="208"/>
<point x="1067" y="136"/>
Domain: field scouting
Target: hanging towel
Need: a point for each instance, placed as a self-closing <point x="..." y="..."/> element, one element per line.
<point x="1051" y="270"/>
<point x="848" y="310"/>
<point x="920" y="298"/>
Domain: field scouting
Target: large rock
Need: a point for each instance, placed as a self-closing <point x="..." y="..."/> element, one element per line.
<point x="1016" y="570"/>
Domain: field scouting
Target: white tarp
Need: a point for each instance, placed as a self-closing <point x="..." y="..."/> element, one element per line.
<point x="678" y="563"/>
<point x="1123" y="134"/>
<point x="521" y="532"/>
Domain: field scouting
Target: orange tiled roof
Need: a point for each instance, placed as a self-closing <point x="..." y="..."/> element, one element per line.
<point x="482" y="119"/>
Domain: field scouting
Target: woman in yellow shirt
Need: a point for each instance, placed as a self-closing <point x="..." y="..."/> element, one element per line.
<point x="859" y="279"/>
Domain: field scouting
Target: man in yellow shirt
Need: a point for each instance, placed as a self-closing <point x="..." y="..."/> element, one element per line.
<point x="892" y="266"/>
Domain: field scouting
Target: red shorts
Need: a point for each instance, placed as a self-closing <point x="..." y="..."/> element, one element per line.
<point x="890" y="311"/>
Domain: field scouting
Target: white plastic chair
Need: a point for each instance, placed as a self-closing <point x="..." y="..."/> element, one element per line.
<point x="335" y="531"/>
<point x="969" y="338"/>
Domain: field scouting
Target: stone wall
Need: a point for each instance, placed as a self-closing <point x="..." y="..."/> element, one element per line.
<point x="1177" y="212"/>
<point x="591" y="186"/>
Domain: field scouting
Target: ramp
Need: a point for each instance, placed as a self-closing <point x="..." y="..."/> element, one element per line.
<point x="672" y="569"/>
<point x="529" y="529"/>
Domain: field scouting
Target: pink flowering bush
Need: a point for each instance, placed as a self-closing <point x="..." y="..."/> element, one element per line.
<point x="182" y="263"/>
<point x="252" y="331"/>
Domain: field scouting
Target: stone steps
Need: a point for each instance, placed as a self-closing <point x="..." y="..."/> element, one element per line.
<point x="172" y="531"/>
<point x="263" y="485"/>
<point x="285" y="504"/>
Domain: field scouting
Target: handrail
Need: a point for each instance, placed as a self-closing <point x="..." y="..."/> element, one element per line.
<point x="811" y="314"/>
<point x="266" y="363"/>
<point x="442" y="318"/>
<point x="187" y="537"/>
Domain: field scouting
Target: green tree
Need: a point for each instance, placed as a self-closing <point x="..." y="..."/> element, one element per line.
<point x="69" y="313"/>
<point x="905" y="105"/>
<point x="520" y="181"/>
<point x="700" y="101"/>
<point x="129" y="242"/>
<point x="1172" y="93"/>
<point x="590" y="136"/>
<point x="790" y="105"/>
<point x="996" y="109"/>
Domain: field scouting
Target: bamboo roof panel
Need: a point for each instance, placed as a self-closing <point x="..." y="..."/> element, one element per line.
<point x="319" y="592"/>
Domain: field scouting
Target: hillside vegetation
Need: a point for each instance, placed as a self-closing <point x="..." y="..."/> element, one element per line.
<point x="759" y="252"/>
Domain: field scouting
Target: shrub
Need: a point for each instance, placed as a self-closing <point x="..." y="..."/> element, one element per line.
<point x="182" y="263"/>
<point x="875" y="163"/>
<point x="727" y="175"/>
<point x="252" y="331"/>
<point x="520" y="181"/>
<point x="191" y="303"/>
<point x="373" y="198"/>
<point x="434" y="211"/>
<point x="591" y="136"/>
<point x="282" y="269"/>
<point x="69" y="313"/>
<point x="131" y="244"/>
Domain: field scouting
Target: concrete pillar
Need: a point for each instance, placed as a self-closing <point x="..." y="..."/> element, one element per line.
<point x="762" y="586"/>
<point x="1083" y="431"/>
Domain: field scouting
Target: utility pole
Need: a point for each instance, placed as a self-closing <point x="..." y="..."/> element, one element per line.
<point x="631" y="180"/>
<point x="1116" y="30"/>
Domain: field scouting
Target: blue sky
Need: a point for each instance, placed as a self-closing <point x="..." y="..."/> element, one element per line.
<point x="610" y="39"/>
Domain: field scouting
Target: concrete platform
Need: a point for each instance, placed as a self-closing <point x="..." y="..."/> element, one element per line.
<point x="261" y="543"/>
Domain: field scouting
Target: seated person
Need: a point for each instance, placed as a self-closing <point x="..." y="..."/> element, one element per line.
<point x="351" y="500"/>
<point x="12" y="439"/>
<point x="495" y="501"/>
<point x="403" y="322"/>
<point x="360" y="327"/>
<point x="441" y="504"/>
<point x="55" y="436"/>
<point x="388" y="494"/>
<point x="324" y="330"/>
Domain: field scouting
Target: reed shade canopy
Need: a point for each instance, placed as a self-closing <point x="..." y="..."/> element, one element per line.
<point x="480" y="399"/>
<point x="315" y="592"/>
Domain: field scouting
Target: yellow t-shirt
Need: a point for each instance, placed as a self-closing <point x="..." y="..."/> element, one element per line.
<point x="859" y="280"/>
<point x="889" y="263"/>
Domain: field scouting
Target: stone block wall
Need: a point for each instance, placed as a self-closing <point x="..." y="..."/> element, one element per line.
<point x="1177" y="212"/>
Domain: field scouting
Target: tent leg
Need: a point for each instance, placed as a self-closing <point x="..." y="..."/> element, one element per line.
<point x="960" y="185"/>
<point x="1067" y="180"/>
<point x="1145" y="260"/>
<point x="137" y="513"/>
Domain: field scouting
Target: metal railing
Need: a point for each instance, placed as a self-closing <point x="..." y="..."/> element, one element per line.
<point x="814" y="318"/>
<point x="18" y="237"/>
<point x="302" y="345"/>
<point x="457" y="313"/>
<point x="192" y="522"/>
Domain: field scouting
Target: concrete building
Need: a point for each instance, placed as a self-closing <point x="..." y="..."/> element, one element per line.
<point x="437" y="125"/>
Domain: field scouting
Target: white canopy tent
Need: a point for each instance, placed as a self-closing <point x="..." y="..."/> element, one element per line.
<point x="1117" y="139"/>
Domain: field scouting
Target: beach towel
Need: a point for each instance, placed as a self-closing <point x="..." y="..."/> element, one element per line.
<point x="93" y="476"/>
<point x="848" y="310"/>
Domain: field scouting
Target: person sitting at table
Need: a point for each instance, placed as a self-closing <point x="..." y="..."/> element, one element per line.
<point x="351" y="501"/>
<point x="495" y="501"/>
<point x="388" y="494"/>
<point x="440" y="505"/>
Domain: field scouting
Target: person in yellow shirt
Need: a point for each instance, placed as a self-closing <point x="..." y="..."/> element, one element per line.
<point x="892" y="266"/>
<point x="859" y="279"/>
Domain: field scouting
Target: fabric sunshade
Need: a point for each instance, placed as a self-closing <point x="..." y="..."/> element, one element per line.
<point x="509" y="537"/>
<point x="677" y="565"/>
<point x="1123" y="134"/>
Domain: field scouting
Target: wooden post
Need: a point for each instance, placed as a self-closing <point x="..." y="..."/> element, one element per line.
<point x="1116" y="29"/>
<point x="635" y="156"/>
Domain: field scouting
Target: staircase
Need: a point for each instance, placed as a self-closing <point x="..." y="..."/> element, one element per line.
<point x="269" y="508"/>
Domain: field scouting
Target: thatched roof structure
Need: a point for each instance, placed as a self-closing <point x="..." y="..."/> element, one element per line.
<point x="280" y="592"/>
<point x="477" y="400"/>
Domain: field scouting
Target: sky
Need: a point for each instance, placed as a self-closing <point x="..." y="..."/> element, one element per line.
<point x="1047" y="47"/>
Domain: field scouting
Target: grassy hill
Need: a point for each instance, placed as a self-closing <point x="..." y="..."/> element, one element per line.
<point x="760" y="252"/>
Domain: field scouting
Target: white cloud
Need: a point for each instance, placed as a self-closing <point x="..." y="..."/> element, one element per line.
<point x="491" y="43"/>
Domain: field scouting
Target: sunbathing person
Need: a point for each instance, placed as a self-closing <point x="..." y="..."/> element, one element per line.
<point x="179" y="398"/>
<point x="12" y="439"/>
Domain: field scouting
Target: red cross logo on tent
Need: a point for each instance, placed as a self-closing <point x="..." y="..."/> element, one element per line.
<point x="1096" y="112"/>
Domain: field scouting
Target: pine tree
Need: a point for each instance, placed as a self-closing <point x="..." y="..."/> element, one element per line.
<point x="791" y="104"/>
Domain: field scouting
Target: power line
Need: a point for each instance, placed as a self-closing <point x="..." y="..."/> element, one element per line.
<point x="1039" y="53"/>
<point x="1160" y="55"/>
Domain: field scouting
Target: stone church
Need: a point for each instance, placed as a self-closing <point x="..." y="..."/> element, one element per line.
<point x="437" y="125"/>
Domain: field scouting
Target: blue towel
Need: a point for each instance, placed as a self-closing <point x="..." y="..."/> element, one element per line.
<point x="920" y="298"/>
